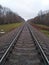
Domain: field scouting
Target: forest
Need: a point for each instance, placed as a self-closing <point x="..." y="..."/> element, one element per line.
<point x="41" y="18"/>
<point x="7" y="16"/>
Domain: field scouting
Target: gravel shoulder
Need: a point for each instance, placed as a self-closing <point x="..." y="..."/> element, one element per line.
<point x="42" y="39"/>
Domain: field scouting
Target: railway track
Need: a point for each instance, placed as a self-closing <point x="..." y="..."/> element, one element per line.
<point x="24" y="50"/>
<point x="7" y="43"/>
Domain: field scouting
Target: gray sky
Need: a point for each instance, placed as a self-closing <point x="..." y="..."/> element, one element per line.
<point x="26" y="8"/>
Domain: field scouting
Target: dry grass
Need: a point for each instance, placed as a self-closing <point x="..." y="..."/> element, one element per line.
<point x="9" y="27"/>
<point x="42" y="28"/>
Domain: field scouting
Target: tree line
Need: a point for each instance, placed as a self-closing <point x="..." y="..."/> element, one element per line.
<point x="7" y="16"/>
<point x="42" y="18"/>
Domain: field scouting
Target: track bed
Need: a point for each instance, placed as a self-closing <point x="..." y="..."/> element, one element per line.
<point x="24" y="52"/>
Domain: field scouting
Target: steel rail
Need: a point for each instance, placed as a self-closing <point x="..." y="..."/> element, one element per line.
<point x="44" y="57"/>
<point x="5" y="55"/>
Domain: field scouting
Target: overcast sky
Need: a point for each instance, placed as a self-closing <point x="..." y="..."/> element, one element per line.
<point x="26" y="8"/>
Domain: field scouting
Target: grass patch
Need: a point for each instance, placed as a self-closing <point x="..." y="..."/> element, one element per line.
<point x="42" y="28"/>
<point x="9" y="27"/>
<point x="42" y="25"/>
<point x="45" y="32"/>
